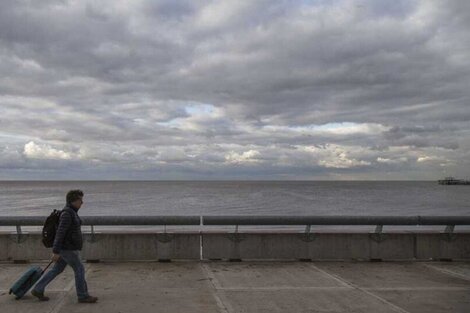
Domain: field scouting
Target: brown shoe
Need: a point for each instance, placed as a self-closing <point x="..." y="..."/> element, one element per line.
<point x="88" y="299"/>
<point x="40" y="296"/>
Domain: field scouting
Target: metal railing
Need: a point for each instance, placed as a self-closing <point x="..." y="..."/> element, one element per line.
<point x="106" y="220"/>
<point x="247" y="220"/>
<point x="335" y="220"/>
<point x="379" y="221"/>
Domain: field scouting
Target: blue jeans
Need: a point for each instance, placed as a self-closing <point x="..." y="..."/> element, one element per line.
<point x="72" y="258"/>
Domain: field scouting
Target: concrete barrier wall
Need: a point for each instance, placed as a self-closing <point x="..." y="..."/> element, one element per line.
<point x="443" y="246"/>
<point x="249" y="246"/>
<point x="337" y="246"/>
<point x="108" y="246"/>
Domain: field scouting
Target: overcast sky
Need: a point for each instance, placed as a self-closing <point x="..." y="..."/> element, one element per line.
<point x="334" y="90"/>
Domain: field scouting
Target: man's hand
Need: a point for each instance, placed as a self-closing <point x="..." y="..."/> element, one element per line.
<point x="55" y="257"/>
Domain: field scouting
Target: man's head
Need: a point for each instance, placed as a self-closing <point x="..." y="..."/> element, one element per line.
<point x="75" y="198"/>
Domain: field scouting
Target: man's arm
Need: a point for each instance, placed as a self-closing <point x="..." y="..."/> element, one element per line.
<point x="64" y="224"/>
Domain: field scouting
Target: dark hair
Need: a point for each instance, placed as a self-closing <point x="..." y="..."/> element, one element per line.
<point x="74" y="195"/>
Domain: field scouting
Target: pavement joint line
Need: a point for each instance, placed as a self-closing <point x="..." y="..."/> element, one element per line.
<point x="335" y="276"/>
<point x="448" y="272"/>
<point x="337" y="279"/>
<point x="211" y="277"/>
<point x="68" y="288"/>
<point x="50" y="290"/>
<point x="218" y="292"/>
<point x="418" y="288"/>
<point x="282" y="288"/>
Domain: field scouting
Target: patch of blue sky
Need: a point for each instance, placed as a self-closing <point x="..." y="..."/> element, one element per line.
<point x="171" y="123"/>
<point x="199" y="109"/>
<point x="327" y="127"/>
<point x="315" y="2"/>
<point x="13" y="138"/>
<point x="191" y="109"/>
<point x="336" y="126"/>
<point x="341" y="128"/>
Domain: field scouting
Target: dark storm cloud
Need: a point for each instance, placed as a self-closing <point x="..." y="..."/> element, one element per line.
<point x="218" y="89"/>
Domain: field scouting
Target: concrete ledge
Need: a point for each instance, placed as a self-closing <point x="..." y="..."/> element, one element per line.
<point x="250" y="246"/>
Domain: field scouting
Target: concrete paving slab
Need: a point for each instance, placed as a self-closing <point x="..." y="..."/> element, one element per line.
<point x="457" y="269"/>
<point x="430" y="301"/>
<point x="156" y="274"/>
<point x="331" y="301"/>
<point x="130" y="287"/>
<point x="268" y="274"/>
<point x="246" y="287"/>
<point x="148" y="299"/>
<point x="148" y="287"/>
<point x="29" y="304"/>
<point x="390" y="274"/>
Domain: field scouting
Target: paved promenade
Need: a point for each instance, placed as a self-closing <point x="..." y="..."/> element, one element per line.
<point x="247" y="287"/>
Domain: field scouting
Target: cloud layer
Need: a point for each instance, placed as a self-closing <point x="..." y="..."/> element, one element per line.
<point x="234" y="89"/>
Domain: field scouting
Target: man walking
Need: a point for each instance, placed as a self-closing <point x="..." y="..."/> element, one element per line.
<point x="66" y="250"/>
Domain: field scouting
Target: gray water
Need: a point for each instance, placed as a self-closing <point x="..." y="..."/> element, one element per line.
<point x="36" y="198"/>
<point x="238" y="197"/>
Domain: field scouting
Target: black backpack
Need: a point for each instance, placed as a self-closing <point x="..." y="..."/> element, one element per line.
<point x="50" y="228"/>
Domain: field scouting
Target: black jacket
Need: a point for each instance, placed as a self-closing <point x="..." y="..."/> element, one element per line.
<point x="69" y="234"/>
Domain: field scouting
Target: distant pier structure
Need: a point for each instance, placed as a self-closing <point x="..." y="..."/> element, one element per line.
<point x="453" y="181"/>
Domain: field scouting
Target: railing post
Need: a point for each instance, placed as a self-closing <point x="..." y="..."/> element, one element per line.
<point x="19" y="233"/>
<point x="449" y="234"/>
<point x="235" y="236"/>
<point x="449" y="229"/>
<point x="378" y="229"/>
<point x="377" y="236"/>
<point x="307" y="236"/>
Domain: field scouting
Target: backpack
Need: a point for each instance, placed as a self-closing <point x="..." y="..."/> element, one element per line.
<point x="49" y="229"/>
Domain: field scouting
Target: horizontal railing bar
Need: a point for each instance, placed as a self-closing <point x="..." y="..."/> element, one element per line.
<point x="444" y="220"/>
<point x="248" y="220"/>
<point x="106" y="220"/>
<point x="335" y="220"/>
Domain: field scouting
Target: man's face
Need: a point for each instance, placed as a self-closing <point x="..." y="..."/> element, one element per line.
<point x="78" y="203"/>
